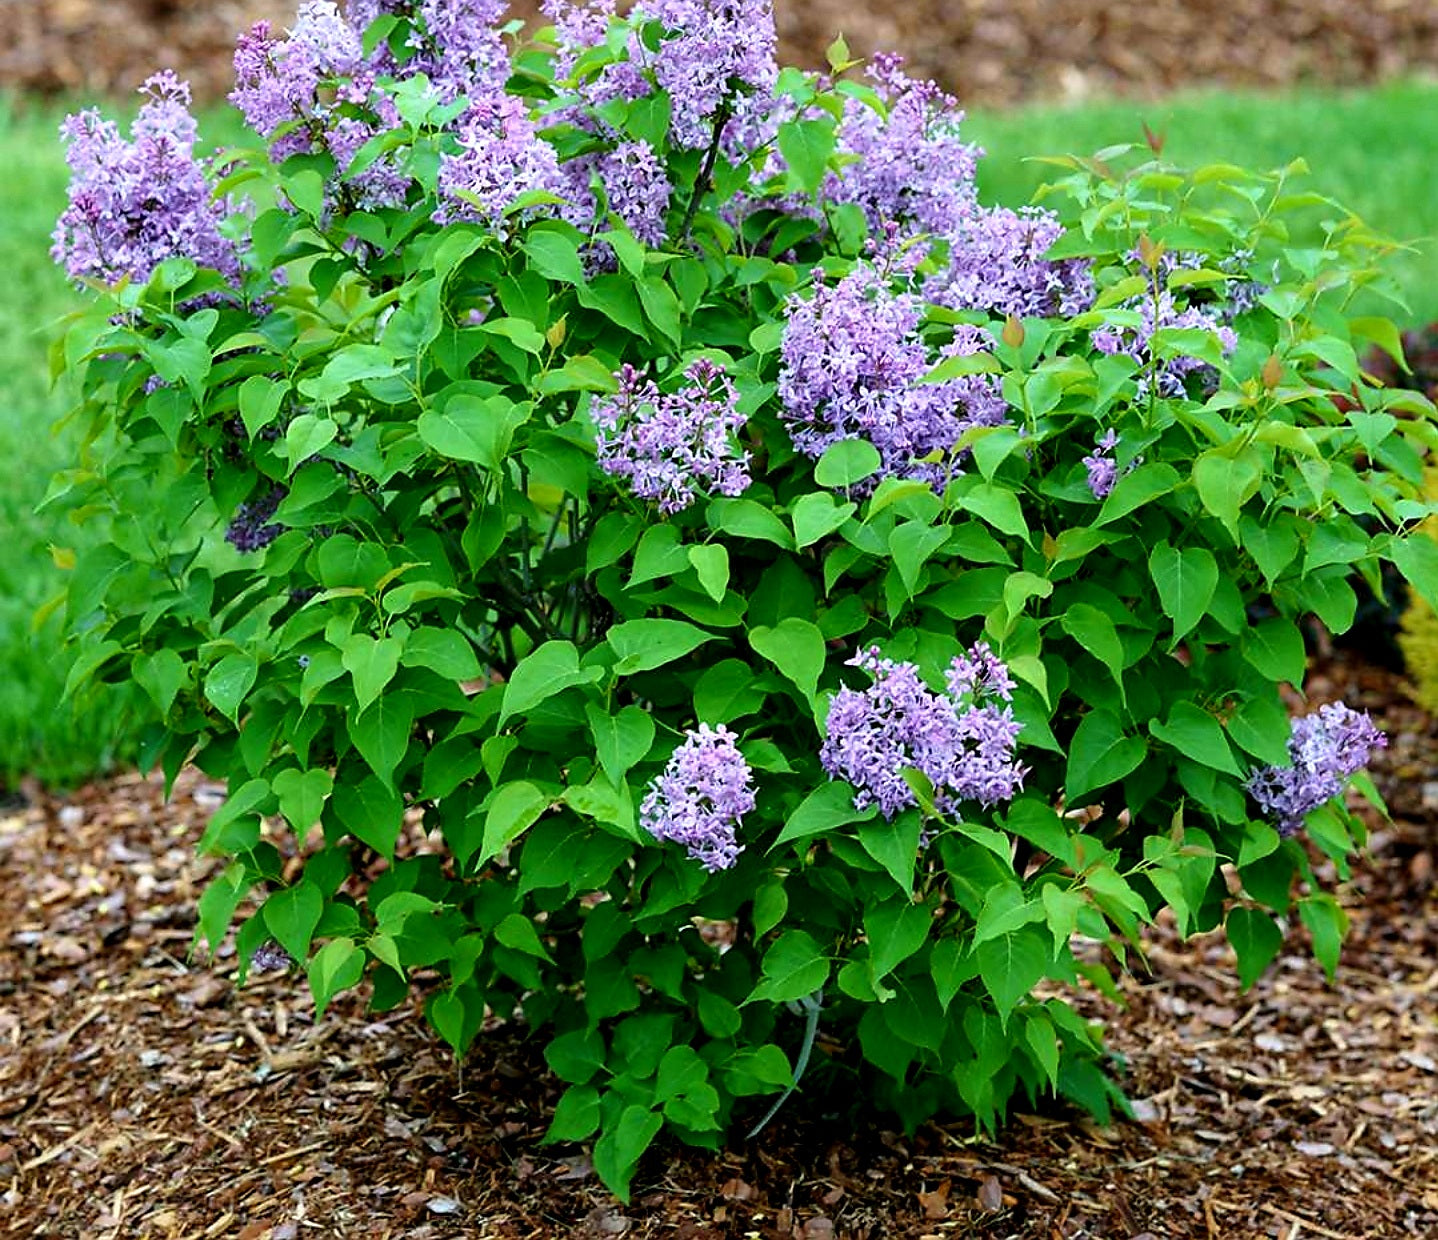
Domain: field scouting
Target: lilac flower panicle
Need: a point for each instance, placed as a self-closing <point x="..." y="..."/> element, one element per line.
<point x="134" y="204"/>
<point x="502" y="157"/>
<point x="700" y="799"/>
<point x="1324" y="750"/>
<point x="962" y="741"/>
<point x="252" y="528"/>
<point x="672" y="447"/>
<point x="852" y="365"/>
<point x="996" y="264"/>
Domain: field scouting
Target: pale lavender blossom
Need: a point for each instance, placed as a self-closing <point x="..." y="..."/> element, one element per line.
<point x="673" y="447"/>
<point x="852" y="365"/>
<point x="996" y="264"/>
<point x="908" y="163"/>
<point x="634" y="186"/>
<point x="962" y="741"/>
<point x="1102" y="468"/>
<point x="701" y="798"/>
<point x="502" y="157"/>
<point x="1324" y="750"/>
<point x="133" y="204"/>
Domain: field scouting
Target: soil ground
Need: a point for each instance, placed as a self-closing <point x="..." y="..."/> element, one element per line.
<point x="142" y="1095"/>
<point x="987" y="51"/>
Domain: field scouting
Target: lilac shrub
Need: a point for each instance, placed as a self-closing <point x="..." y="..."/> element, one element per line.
<point x="580" y="485"/>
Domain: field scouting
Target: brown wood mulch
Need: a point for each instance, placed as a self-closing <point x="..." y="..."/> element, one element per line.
<point x="142" y="1095"/>
<point x="987" y="51"/>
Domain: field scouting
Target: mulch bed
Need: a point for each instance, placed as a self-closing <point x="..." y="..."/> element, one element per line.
<point x="987" y="51"/>
<point x="142" y="1095"/>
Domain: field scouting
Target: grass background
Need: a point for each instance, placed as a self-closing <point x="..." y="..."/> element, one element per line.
<point x="1376" y="150"/>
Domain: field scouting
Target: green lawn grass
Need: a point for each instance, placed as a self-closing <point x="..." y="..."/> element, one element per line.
<point x="1376" y="150"/>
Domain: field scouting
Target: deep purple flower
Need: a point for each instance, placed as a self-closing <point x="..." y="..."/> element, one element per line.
<point x="852" y="367"/>
<point x="134" y="204"/>
<point x="1324" y="750"/>
<point x="673" y="447"/>
<point x="701" y="798"/>
<point x="962" y="740"/>
<point x="251" y="529"/>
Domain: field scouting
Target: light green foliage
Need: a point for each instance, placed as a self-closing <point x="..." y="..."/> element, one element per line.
<point x="1418" y="633"/>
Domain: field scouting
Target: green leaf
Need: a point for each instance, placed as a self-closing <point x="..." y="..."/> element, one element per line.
<point x="617" y="1152"/>
<point x="895" y="846"/>
<point x="1100" y="754"/>
<point x="371" y="812"/>
<point x="1256" y="940"/>
<point x="306" y="436"/>
<point x="998" y="506"/>
<point x="473" y="429"/>
<point x="1186" y="582"/>
<point x="292" y="915"/>
<point x="577" y="1056"/>
<point x="371" y="663"/>
<point x="643" y="645"/>
<point x="896" y="929"/>
<point x="576" y="1115"/>
<point x="1011" y="965"/>
<point x="726" y="691"/>
<point x="302" y="796"/>
<point x="796" y="647"/>
<point x="1328" y="924"/>
<point x="771" y="902"/>
<point x="381" y="733"/>
<point x="1043" y="1040"/>
<point x="1196" y="734"/>
<point x="162" y="675"/>
<point x="337" y="966"/>
<point x="1095" y="632"/>
<point x="512" y="811"/>
<point x="711" y="563"/>
<point x="807" y="147"/>
<point x="1273" y="547"/>
<point x="217" y="905"/>
<point x="1006" y="908"/>
<point x="621" y="739"/>
<point x="1275" y="648"/>
<point x="794" y="967"/>
<point x="555" y="255"/>
<point x="260" y="400"/>
<point x="847" y="462"/>
<point x="1416" y="557"/>
<point x="911" y="544"/>
<point x="815" y="515"/>
<point x="444" y="651"/>
<point x="827" y="808"/>
<point x="744" y="518"/>
<point x="228" y="683"/>
<point x="541" y="674"/>
<point x="1062" y="907"/>
<point x="517" y="932"/>
<point x="1225" y="483"/>
<point x="1137" y="488"/>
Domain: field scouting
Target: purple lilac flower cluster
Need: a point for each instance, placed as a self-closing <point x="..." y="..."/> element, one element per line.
<point x="962" y="740"/>
<point x="996" y="264"/>
<point x="635" y="187"/>
<point x="134" y="204"/>
<point x="1324" y="749"/>
<point x="673" y="446"/>
<point x="252" y="528"/>
<point x="313" y="91"/>
<point x="852" y="364"/>
<point x="701" y="798"/>
<point x="501" y="157"/>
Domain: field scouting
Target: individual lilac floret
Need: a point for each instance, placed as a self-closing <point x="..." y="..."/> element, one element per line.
<point x="911" y="167"/>
<point x="252" y="529"/>
<point x="962" y="741"/>
<point x="134" y="204"/>
<point x="1324" y="750"/>
<point x="673" y="447"/>
<point x="996" y="264"/>
<point x="1102" y="468"/>
<point x="852" y="365"/>
<point x="502" y="157"/>
<point x="701" y="798"/>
